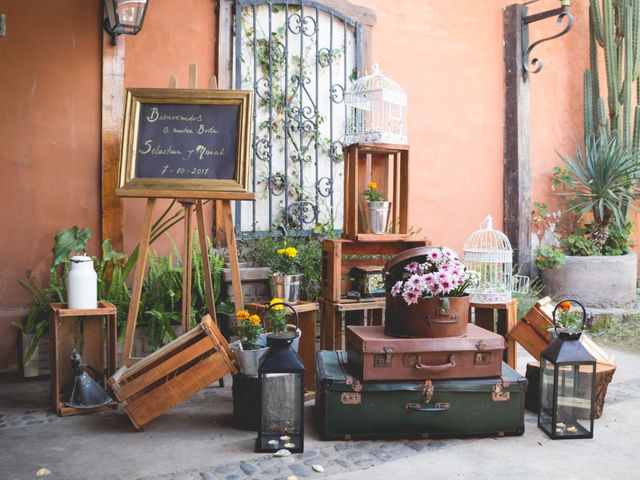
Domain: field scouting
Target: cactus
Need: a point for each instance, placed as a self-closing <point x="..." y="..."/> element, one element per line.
<point x="614" y="26"/>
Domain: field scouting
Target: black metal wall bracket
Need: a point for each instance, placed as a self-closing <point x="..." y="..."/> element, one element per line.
<point x="534" y="65"/>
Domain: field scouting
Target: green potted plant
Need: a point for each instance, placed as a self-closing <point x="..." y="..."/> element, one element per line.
<point x="591" y="258"/>
<point x="377" y="209"/>
<point x="285" y="277"/>
<point x="251" y="348"/>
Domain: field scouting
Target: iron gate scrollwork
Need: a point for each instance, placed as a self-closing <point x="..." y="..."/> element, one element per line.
<point x="299" y="57"/>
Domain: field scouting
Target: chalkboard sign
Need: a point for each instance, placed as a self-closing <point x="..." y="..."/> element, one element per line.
<point x="186" y="143"/>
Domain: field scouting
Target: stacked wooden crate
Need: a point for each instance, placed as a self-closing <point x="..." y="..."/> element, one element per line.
<point x="339" y="257"/>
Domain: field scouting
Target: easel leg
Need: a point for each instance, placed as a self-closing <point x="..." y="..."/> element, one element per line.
<point x="233" y="255"/>
<point x="206" y="262"/>
<point x="187" y="267"/>
<point x="136" y="289"/>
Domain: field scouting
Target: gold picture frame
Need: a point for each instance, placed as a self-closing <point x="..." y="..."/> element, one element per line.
<point x="186" y="143"/>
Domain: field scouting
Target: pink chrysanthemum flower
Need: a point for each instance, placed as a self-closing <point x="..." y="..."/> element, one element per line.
<point x="412" y="267"/>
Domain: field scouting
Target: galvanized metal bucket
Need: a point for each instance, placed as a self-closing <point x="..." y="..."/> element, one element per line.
<point x="249" y="361"/>
<point x="286" y="287"/>
<point x="378" y="216"/>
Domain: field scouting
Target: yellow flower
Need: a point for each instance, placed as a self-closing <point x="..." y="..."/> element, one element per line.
<point x="291" y="251"/>
<point x="242" y="315"/>
<point x="281" y="251"/>
<point x="274" y="301"/>
<point x="372" y="185"/>
<point x="254" y="319"/>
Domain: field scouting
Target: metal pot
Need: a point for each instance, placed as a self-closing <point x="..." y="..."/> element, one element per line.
<point x="286" y="287"/>
<point x="378" y="216"/>
<point x="432" y="317"/>
<point x="249" y="361"/>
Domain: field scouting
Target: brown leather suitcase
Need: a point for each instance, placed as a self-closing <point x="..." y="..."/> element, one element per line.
<point x="373" y="355"/>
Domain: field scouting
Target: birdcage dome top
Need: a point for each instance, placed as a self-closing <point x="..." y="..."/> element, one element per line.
<point x="376" y="84"/>
<point x="489" y="242"/>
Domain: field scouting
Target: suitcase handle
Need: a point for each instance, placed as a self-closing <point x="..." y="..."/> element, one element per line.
<point x="440" y="320"/>
<point x="437" y="368"/>
<point x="415" y="407"/>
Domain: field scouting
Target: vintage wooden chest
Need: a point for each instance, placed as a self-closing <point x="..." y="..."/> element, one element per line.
<point x="174" y="373"/>
<point x="373" y="355"/>
<point x="347" y="408"/>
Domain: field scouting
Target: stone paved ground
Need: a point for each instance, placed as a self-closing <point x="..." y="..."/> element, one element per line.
<point x="195" y="441"/>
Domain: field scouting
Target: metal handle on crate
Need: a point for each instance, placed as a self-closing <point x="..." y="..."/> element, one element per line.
<point x="437" y="368"/>
<point x="416" y="407"/>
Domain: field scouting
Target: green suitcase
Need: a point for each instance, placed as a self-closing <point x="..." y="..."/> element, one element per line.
<point x="349" y="409"/>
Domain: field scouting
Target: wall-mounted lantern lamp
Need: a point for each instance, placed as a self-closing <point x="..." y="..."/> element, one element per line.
<point x="124" y="17"/>
<point x="534" y="65"/>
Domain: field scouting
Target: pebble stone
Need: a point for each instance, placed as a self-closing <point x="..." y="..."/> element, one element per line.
<point x="248" y="468"/>
<point x="283" y="452"/>
<point x="292" y="477"/>
<point x="318" y="468"/>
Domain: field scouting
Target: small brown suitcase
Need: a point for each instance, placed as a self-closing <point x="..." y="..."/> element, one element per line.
<point x="376" y="356"/>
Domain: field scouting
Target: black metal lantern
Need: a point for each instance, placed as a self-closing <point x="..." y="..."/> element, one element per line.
<point x="567" y="381"/>
<point x="124" y="16"/>
<point x="281" y="394"/>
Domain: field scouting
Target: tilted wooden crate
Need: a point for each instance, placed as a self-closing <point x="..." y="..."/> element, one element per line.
<point x="533" y="333"/>
<point x="174" y="373"/>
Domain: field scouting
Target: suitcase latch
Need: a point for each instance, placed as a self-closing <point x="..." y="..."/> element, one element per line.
<point x="383" y="360"/>
<point x="351" y="398"/>
<point x="482" y="358"/>
<point x="355" y="385"/>
<point x="498" y="394"/>
<point x="427" y="391"/>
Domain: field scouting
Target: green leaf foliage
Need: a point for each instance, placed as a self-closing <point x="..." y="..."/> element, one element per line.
<point x="67" y="241"/>
<point x="603" y="179"/>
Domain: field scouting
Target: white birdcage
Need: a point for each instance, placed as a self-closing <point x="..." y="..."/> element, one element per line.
<point x="377" y="110"/>
<point x="488" y="252"/>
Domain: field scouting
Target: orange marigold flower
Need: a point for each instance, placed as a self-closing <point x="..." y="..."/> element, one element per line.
<point x="254" y="319"/>
<point x="372" y="185"/>
<point x="242" y="314"/>
<point x="566" y="306"/>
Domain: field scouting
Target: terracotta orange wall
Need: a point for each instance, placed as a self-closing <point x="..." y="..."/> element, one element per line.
<point x="448" y="56"/>
<point x="50" y="140"/>
<point x="175" y="34"/>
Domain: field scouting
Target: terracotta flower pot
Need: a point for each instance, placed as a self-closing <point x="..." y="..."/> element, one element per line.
<point x="432" y="317"/>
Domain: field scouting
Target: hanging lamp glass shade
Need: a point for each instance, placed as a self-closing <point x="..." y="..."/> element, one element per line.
<point x="124" y="16"/>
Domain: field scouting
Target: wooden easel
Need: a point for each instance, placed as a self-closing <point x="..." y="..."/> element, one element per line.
<point x="224" y="229"/>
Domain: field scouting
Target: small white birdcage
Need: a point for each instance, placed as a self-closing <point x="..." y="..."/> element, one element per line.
<point x="488" y="252"/>
<point x="377" y="110"/>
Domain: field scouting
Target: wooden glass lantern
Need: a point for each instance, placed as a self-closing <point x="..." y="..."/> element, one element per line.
<point x="281" y="394"/>
<point x="388" y="167"/>
<point x="567" y="383"/>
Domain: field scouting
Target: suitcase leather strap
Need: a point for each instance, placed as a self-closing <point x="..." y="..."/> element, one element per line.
<point x="355" y="384"/>
<point x="436" y="368"/>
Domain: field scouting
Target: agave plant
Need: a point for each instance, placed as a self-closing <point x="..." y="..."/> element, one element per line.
<point x="603" y="181"/>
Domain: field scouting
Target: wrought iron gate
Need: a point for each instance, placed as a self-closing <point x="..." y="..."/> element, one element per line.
<point x="298" y="56"/>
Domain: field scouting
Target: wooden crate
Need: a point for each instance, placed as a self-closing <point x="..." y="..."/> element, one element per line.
<point x="93" y="333"/>
<point x="335" y="316"/>
<point x="533" y="333"/>
<point x="307" y="316"/>
<point x="340" y="256"/>
<point x="388" y="166"/>
<point x="174" y="373"/>
<point x="507" y="316"/>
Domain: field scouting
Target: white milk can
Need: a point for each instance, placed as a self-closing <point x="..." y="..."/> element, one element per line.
<point x="82" y="283"/>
